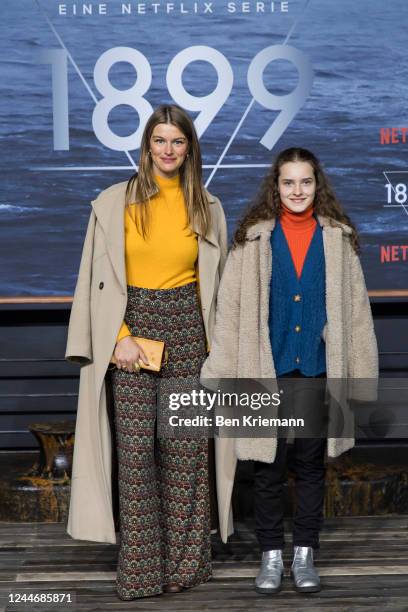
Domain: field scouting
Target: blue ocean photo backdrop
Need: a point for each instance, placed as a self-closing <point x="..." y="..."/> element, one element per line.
<point x="359" y="57"/>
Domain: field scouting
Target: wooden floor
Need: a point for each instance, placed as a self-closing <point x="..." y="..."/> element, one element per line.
<point x="363" y="563"/>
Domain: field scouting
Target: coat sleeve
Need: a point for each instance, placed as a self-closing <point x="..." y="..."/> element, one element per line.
<point x="223" y="358"/>
<point x="364" y="357"/>
<point x="79" y="343"/>
<point x="222" y="237"/>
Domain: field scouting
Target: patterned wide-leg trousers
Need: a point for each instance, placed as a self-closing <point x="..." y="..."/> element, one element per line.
<point x="163" y="483"/>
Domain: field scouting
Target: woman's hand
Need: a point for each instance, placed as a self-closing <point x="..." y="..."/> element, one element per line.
<point x="127" y="352"/>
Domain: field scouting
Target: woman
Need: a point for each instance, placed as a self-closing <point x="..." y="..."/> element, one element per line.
<point x="148" y="242"/>
<point x="292" y="303"/>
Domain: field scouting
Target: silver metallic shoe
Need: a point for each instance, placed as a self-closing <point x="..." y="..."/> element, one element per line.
<point x="270" y="573"/>
<point x="303" y="570"/>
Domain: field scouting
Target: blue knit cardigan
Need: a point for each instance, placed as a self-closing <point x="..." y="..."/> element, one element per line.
<point x="297" y="307"/>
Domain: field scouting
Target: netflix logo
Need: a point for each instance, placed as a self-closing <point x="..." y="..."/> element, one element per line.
<point x="392" y="253"/>
<point x="393" y="136"/>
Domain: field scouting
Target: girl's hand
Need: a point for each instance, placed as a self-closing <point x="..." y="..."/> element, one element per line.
<point x="127" y="353"/>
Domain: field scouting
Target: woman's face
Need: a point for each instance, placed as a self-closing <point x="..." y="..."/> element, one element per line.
<point x="297" y="185"/>
<point x="168" y="149"/>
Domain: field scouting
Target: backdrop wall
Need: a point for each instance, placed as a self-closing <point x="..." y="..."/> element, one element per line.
<point x="81" y="78"/>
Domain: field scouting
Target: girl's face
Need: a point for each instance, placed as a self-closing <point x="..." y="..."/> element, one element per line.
<point x="297" y="185"/>
<point x="168" y="149"/>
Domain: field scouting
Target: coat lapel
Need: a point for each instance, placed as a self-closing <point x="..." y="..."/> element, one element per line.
<point x="208" y="261"/>
<point x="333" y="253"/>
<point x="109" y="210"/>
<point x="265" y="255"/>
<point x="210" y="236"/>
<point x="263" y="230"/>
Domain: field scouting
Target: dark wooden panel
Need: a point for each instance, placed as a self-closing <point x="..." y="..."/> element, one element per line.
<point x="14" y="432"/>
<point x="37" y="367"/>
<point x="34" y="378"/>
<point x="33" y="341"/>
<point x="392" y="338"/>
<point x="19" y="422"/>
<point x="393" y="362"/>
<point x="38" y="385"/>
<point x="55" y="404"/>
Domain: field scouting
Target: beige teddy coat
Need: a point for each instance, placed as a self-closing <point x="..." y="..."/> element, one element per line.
<point x="241" y="346"/>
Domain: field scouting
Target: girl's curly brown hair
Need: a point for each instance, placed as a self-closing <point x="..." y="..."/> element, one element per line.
<point x="267" y="204"/>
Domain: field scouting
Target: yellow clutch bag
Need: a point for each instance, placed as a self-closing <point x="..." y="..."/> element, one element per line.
<point x="154" y="351"/>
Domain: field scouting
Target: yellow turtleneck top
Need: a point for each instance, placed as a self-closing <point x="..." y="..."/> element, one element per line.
<point x="167" y="257"/>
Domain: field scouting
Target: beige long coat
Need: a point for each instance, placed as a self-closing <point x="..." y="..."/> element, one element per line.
<point x="241" y="346"/>
<point x="97" y="313"/>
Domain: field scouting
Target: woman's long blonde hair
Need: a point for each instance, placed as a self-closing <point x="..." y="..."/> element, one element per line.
<point x="198" y="212"/>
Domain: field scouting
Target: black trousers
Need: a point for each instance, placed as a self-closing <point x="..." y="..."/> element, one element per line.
<point x="309" y="470"/>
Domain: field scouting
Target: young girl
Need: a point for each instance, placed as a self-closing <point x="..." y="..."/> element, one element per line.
<point x="292" y="302"/>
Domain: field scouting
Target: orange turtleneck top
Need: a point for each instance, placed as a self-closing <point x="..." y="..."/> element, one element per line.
<point x="298" y="229"/>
